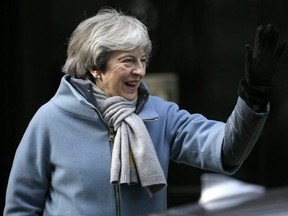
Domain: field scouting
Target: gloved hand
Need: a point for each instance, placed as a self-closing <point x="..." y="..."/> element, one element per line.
<point x="260" y="63"/>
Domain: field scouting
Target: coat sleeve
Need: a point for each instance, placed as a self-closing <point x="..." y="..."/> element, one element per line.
<point x="198" y="141"/>
<point x="29" y="177"/>
<point x="242" y="130"/>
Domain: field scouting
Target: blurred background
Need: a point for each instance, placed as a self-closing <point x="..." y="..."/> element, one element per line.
<point x="199" y="41"/>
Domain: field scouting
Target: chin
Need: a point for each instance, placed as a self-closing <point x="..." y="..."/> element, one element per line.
<point x="130" y="97"/>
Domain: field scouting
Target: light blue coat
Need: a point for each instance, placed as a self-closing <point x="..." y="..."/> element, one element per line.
<point x="62" y="165"/>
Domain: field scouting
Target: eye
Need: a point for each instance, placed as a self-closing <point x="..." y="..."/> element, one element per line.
<point x="128" y="62"/>
<point x="144" y="61"/>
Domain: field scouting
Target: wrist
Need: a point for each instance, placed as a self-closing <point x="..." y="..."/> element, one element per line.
<point x="256" y="96"/>
<point x="259" y="83"/>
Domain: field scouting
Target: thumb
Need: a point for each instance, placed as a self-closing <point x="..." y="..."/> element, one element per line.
<point x="248" y="60"/>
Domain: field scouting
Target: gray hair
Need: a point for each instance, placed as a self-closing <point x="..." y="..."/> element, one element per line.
<point x="96" y="38"/>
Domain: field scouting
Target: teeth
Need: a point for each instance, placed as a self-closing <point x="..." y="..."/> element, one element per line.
<point x="131" y="83"/>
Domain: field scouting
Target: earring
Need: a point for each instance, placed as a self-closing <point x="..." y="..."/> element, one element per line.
<point x="98" y="77"/>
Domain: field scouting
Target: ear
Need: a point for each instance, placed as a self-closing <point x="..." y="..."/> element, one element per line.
<point x="94" y="73"/>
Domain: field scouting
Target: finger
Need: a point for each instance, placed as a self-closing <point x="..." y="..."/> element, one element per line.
<point x="274" y="40"/>
<point x="281" y="49"/>
<point x="259" y="38"/>
<point x="271" y="38"/>
<point x="248" y="58"/>
<point x="268" y="35"/>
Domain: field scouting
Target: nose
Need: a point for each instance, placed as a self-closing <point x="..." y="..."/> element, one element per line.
<point x="139" y="68"/>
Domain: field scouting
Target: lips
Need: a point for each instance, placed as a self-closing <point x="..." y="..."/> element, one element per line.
<point x="132" y="85"/>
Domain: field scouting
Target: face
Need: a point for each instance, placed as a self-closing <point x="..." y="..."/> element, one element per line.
<point x="124" y="71"/>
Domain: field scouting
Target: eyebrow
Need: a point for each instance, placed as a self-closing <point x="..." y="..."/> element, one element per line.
<point x="121" y="57"/>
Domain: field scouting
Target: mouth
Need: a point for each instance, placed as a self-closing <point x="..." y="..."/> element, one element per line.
<point x="132" y="85"/>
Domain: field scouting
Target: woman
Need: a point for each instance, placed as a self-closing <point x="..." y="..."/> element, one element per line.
<point x="102" y="144"/>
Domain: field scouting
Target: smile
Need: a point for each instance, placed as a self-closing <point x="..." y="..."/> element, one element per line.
<point x="132" y="85"/>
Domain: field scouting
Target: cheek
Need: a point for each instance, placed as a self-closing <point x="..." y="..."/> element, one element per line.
<point x="115" y="82"/>
<point x="120" y="75"/>
<point x="115" y="76"/>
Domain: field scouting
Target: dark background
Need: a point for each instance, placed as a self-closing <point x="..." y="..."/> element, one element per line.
<point x="200" y="40"/>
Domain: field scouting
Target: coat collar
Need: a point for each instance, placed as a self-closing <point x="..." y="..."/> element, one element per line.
<point x="144" y="107"/>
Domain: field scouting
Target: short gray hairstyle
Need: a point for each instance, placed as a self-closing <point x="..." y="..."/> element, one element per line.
<point x="96" y="38"/>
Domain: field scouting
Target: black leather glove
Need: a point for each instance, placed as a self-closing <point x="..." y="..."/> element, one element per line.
<point x="260" y="65"/>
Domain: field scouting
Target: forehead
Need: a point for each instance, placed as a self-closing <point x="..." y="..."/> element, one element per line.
<point x="139" y="52"/>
